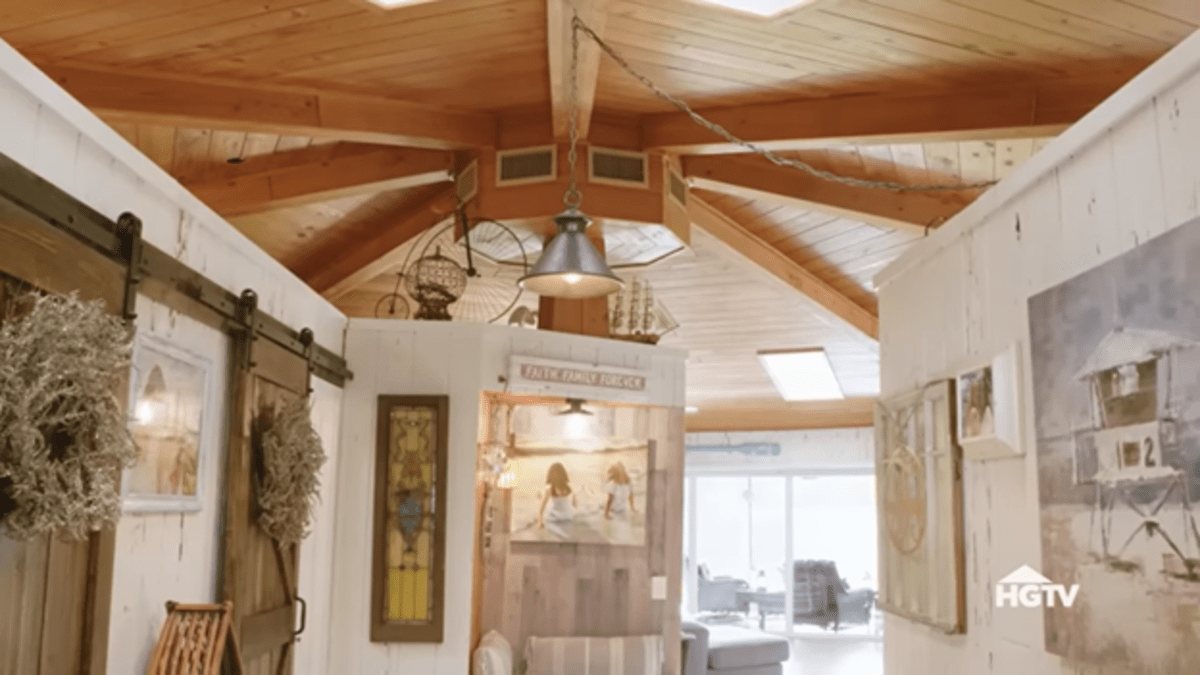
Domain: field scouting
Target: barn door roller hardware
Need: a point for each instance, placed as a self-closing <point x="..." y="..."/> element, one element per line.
<point x="150" y="270"/>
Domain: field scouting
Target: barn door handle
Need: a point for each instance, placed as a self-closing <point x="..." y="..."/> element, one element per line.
<point x="303" y="616"/>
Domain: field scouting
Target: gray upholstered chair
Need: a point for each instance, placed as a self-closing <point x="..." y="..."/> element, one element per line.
<point x="718" y="595"/>
<point x="824" y="599"/>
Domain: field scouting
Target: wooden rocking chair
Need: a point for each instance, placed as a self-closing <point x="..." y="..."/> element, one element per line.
<point x="196" y="640"/>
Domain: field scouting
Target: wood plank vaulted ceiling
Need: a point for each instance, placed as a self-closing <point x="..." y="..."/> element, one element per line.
<point x="346" y="121"/>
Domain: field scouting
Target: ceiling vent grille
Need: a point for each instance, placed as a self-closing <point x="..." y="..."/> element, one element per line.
<point x="677" y="188"/>
<point x="527" y="165"/>
<point x="466" y="183"/>
<point x="620" y="167"/>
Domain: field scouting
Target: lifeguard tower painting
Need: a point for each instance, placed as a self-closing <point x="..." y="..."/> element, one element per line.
<point x="1115" y="361"/>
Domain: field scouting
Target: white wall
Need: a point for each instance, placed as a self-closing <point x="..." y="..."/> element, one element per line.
<point x="458" y="360"/>
<point x="162" y="558"/>
<point x="812" y="451"/>
<point x="1127" y="172"/>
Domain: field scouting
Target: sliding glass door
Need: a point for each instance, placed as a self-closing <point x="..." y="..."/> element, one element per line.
<point x="783" y="552"/>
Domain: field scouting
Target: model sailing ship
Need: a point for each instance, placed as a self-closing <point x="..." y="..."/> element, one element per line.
<point x="635" y="315"/>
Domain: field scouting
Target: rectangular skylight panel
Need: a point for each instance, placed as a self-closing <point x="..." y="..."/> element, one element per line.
<point x="802" y="374"/>
<point x="759" y="7"/>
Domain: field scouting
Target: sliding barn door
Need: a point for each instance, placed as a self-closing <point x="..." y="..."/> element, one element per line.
<point x="54" y="594"/>
<point x="258" y="574"/>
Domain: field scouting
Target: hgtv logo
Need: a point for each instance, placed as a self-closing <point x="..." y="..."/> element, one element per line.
<point x="1026" y="587"/>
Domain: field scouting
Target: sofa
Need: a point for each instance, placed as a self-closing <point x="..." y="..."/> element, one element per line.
<point x="729" y="650"/>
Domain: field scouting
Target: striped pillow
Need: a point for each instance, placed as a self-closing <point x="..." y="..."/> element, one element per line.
<point x="630" y="655"/>
<point x="493" y="656"/>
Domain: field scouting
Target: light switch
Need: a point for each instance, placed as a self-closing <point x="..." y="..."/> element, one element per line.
<point x="658" y="588"/>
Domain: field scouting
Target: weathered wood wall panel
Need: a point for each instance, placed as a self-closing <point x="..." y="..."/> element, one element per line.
<point x="1123" y="175"/>
<point x="547" y="590"/>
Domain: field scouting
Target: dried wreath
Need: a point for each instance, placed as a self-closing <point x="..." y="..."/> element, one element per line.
<point x="287" y="484"/>
<point x="63" y="433"/>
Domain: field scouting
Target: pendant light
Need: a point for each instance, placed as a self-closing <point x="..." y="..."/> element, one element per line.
<point x="570" y="266"/>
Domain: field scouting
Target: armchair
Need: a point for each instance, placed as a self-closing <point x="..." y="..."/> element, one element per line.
<point x="823" y="598"/>
<point x="719" y="595"/>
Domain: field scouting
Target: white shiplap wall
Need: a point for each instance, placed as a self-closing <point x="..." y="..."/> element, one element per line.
<point x="162" y="558"/>
<point x="1125" y="173"/>
<point x="461" y="361"/>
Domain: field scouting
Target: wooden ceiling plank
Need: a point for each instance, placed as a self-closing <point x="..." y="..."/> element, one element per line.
<point x="931" y="27"/>
<point x="109" y="44"/>
<point x="336" y="270"/>
<point x="1187" y="11"/>
<point x="1003" y="110"/>
<point x="1128" y="17"/>
<point x="470" y="41"/>
<point x="206" y="104"/>
<point x="157" y="143"/>
<point x="204" y="36"/>
<point x="758" y="177"/>
<point x="776" y="415"/>
<point x="997" y="25"/>
<point x="82" y="19"/>
<point x="17" y="16"/>
<point x="320" y="174"/>
<point x="733" y="235"/>
<point x="559" y="40"/>
<point x="1073" y="25"/>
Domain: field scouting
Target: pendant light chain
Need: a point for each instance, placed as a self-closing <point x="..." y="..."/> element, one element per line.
<point x="572" y="199"/>
<point x="578" y="26"/>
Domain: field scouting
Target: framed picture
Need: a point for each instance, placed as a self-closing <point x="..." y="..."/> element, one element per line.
<point x="989" y="406"/>
<point x="169" y="390"/>
<point x="977" y="413"/>
<point x="581" y="497"/>
<point x="409" y="558"/>
<point x="919" y="483"/>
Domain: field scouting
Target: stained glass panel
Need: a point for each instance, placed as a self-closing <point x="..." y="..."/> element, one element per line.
<point x="412" y="465"/>
<point x="410" y="503"/>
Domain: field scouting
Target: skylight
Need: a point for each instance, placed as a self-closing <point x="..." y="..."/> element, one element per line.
<point x="802" y="374"/>
<point x="759" y="7"/>
<point x="390" y="4"/>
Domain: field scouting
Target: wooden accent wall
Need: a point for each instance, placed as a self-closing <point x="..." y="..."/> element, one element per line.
<point x="540" y="589"/>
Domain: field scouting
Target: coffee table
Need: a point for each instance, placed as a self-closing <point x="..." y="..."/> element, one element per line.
<point x="768" y="602"/>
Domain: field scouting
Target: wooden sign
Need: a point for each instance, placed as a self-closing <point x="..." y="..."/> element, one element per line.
<point x="578" y="380"/>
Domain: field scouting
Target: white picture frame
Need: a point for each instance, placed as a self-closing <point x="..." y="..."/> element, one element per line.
<point x="988" y="403"/>
<point x="169" y="393"/>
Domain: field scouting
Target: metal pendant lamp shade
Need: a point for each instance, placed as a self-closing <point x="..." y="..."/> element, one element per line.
<point x="570" y="266"/>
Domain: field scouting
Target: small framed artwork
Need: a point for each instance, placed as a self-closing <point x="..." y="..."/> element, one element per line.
<point x="988" y="399"/>
<point x="409" y="557"/>
<point x="168" y="397"/>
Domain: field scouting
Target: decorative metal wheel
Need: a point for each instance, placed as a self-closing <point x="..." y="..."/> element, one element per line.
<point x="904" y="498"/>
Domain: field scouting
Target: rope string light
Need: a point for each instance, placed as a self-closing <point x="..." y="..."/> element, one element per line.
<point x="578" y="26"/>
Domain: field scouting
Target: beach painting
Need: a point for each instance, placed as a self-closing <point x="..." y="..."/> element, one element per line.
<point x="571" y="496"/>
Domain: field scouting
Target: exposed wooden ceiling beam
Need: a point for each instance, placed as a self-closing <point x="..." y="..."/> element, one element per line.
<point x="559" y="15"/>
<point x="777" y="415"/>
<point x="1000" y="110"/>
<point x="343" y="266"/>
<point x="769" y="258"/>
<point x="234" y="106"/>
<point x="319" y="174"/>
<point x="756" y="178"/>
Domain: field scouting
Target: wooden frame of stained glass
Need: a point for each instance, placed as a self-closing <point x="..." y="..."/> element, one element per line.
<point x="408" y="570"/>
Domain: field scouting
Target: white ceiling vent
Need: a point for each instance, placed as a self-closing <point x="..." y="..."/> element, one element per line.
<point x="526" y="165"/>
<point x="466" y="183"/>
<point x="619" y="167"/>
<point x="677" y="188"/>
